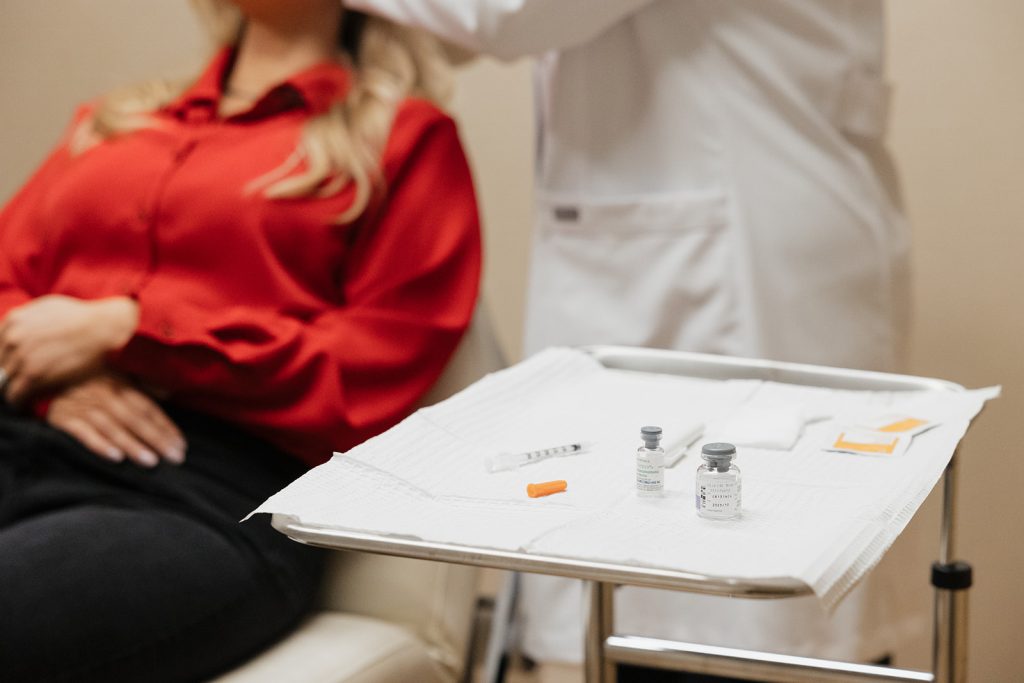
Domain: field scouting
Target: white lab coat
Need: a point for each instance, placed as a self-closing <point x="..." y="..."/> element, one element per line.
<point x="710" y="177"/>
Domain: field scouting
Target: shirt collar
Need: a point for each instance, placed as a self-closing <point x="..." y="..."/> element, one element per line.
<point x="314" y="89"/>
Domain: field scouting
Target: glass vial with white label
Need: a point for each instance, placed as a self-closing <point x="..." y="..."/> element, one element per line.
<point x="650" y="463"/>
<point x="718" y="482"/>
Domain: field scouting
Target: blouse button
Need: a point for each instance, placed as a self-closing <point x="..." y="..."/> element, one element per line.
<point x="167" y="330"/>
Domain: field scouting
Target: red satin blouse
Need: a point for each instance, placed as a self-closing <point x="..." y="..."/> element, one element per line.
<point x="267" y="313"/>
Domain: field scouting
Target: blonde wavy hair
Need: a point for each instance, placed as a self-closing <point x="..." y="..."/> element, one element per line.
<point x="342" y="145"/>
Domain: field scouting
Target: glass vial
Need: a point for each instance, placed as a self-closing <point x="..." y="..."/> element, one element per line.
<point x="718" y="482"/>
<point x="650" y="463"/>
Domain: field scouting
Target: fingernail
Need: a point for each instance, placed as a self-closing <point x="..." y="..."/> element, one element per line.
<point x="175" y="455"/>
<point x="115" y="454"/>
<point x="148" y="458"/>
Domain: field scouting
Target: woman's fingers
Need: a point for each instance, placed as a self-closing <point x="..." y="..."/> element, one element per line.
<point x="8" y="362"/>
<point x="151" y="425"/>
<point x="91" y="438"/>
<point x="115" y="431"/>
<point x="60" y="339"/>
<point x="117" y="421"/>
<point x="20" y="381"/>
<point x="27" y="373"/>
<point x="10" y="367"/>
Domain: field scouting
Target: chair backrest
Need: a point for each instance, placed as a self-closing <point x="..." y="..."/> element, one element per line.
<point x="436" y="600"/>
<point x="478" y="354"/>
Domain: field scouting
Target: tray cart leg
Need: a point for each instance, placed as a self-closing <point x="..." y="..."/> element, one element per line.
<point x="599" y="669"/>
<point x="502" y="625"/>
<point x="951" y="580"/>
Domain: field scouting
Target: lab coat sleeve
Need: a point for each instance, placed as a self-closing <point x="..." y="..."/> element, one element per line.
<point x="506" y="29"/>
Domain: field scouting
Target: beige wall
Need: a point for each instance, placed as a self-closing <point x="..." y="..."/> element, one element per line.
<point x="495" y="111"/>
<point x="54" y="55"/>
<point x="958" y="133"/>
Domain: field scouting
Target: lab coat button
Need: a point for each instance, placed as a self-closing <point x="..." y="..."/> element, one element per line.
<point x="567" y="213"/>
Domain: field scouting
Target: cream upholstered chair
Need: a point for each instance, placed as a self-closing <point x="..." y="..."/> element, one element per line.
<point x="388" y="619"/>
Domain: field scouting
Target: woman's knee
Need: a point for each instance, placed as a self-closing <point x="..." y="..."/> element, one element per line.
<point x="104" y="590"/>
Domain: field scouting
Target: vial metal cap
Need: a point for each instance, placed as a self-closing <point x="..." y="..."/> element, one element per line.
<point x="718" y="448"/>
<point x="718" y="454"/>
<point x="651" y="436"/>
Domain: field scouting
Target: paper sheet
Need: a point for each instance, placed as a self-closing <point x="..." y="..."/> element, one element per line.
<point x="824" y="518"/>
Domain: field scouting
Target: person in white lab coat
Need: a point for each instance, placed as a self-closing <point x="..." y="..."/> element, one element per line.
<point x="711" y="177"/>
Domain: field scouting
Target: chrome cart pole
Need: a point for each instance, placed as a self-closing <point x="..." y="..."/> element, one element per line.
<point x="951" y="580"/>
<point x="599" y="669"/>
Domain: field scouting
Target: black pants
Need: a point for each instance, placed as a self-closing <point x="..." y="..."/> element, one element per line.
<point x="111" y="572"/>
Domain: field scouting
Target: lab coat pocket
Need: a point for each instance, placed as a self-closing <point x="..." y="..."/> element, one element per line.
<point x="863" y="108"/>
<point x="650" y="270"/>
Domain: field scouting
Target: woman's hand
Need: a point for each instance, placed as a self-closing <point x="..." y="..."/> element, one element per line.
<point x="57" y="339"/>
<point x="116" y="420"/>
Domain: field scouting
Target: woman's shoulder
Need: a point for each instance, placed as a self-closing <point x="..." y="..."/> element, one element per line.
<point x="417" y="117"/>
<point x="417" y="123"/>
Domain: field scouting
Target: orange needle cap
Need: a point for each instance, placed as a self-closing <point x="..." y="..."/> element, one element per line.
<point x="545" y="488"/>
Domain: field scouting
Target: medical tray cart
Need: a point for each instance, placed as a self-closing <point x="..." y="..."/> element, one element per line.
<point x="604" y="649"/>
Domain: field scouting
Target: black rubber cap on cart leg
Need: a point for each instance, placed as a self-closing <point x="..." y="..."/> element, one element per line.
<point x="954" y="576"/>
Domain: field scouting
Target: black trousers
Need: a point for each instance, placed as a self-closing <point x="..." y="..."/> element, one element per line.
<point x="111" y="572"/>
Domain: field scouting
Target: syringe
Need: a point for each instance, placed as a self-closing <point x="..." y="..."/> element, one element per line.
<point x="510" y="461"/>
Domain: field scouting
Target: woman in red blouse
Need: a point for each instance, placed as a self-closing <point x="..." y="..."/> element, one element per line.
<point x="201" y="292"/>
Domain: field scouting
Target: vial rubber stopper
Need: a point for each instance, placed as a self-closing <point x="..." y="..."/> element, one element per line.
<point x="718" y="454"/>
<point x="651" y="436"/>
